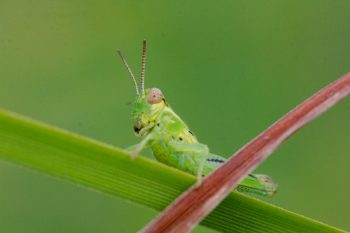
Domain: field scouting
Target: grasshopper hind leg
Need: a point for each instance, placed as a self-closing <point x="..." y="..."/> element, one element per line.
<point x="192" y="157"/>
<point x="256" y="184"/>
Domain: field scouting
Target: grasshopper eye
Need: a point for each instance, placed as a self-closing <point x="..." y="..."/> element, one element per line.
<point x="155" y="96"/>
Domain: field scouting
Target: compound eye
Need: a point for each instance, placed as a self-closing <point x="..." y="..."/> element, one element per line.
<point x="155" y="96"/>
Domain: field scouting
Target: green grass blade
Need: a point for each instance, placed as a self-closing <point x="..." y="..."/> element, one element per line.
<point x="110" y="170"/>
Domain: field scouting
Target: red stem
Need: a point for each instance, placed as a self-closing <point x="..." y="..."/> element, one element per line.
<point x="196" y="203"/>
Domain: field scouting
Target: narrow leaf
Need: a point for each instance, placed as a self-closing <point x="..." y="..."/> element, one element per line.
<point x="110" y="170"/>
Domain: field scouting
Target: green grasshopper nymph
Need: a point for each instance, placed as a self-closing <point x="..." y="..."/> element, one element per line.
<point x="171" y="140"/>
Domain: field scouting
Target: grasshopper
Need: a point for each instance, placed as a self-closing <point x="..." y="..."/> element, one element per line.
<point x="172" y="142"/>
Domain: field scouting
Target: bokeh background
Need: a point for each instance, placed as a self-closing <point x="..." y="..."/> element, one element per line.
<point x="229" y="68"/>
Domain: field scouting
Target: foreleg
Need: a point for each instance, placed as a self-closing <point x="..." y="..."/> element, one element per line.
<point x="136" y="149"/>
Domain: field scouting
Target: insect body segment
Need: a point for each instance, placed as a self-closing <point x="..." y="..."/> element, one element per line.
<point x="172" y="142"/>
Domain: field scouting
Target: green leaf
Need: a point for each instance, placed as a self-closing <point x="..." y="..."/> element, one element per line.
<point x="110" y="170"/>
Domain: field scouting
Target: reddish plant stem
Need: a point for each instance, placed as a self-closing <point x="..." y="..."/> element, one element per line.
<point x="196" y="203"/>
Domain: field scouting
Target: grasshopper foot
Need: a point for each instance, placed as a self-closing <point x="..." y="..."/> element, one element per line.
<point x="199" y="180"/>
<point x="134" y="154"/>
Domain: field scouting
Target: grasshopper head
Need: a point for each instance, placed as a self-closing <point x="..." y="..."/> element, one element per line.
<point x="148" y="103"/>
<point x="146" y="110"/>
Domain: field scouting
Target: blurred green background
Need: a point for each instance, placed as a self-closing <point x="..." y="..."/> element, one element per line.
<point x="229" y="68"/>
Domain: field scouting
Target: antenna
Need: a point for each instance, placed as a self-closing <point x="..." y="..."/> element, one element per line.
<point x="129" y="70"/>
<point x="143" y="64"/>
